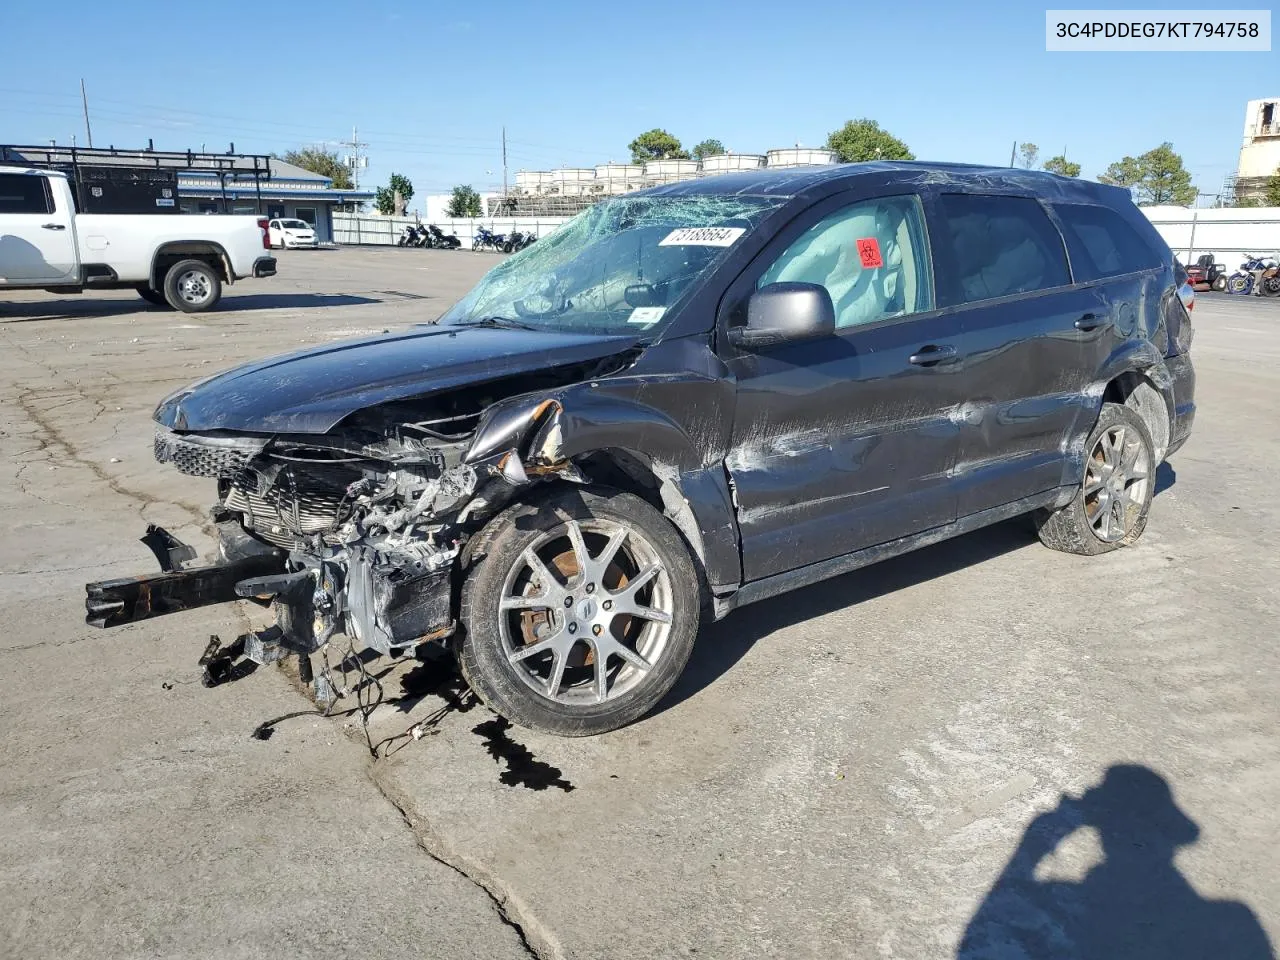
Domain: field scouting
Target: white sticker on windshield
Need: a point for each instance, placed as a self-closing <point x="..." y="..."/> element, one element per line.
<point x="646" y="315"/>
<point x="702" y="237"/>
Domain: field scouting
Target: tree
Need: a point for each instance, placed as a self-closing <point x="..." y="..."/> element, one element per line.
<point x="1062" y="166"/>
<point x="324" y="162"/>
<point x="464" y="202"/>
<point x="1122" y="173"/>
<point x="1028" y="154"/>
<point x="707" y="148"/>
<point x="656" y="144"/>
<point x="1156" y="177"/>
<point x="864" y="139"/>
<point x="385" y="197"/>
<point x="1272" y="196"/>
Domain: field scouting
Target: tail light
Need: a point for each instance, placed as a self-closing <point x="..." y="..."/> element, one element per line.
<point x="266" y="234"/>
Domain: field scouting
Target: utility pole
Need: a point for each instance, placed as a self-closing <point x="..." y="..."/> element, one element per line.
<point x="84" y="99"/>
<point x="504" y="165"/>
<point x="354" y="160"/>
<point x="1013" y="152"/>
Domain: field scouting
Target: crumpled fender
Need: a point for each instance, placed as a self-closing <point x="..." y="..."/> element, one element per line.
<point x="676" y="425"/>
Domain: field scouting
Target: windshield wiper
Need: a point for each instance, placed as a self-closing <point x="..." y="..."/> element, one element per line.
<point x="499" y="323"/>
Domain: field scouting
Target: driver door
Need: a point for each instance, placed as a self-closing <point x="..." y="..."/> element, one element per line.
<point x="847" y="441"/>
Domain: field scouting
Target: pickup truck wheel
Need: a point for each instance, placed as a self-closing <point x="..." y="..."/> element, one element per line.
<point x="579" y="612"/>
<point x="1111" y="504"/>
<point x="192" y="286"/>
<point x="151" y="296"/>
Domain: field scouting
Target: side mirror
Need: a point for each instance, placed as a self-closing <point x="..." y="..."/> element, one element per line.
<point x="781" y="312"/>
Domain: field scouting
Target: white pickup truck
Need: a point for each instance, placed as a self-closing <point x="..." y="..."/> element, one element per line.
<point x="179" y="260"/>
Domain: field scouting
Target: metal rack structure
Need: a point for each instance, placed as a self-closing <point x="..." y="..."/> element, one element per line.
<point x="149" y="169"/>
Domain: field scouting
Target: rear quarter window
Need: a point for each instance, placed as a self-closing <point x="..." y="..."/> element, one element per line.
<point x="1101" y="243"/>
<point x="998" y="246"/>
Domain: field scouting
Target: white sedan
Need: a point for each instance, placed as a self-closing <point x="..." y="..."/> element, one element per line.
<point x="292" y="233"/>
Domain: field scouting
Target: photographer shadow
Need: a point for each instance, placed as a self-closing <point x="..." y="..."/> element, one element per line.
<point x="1134" y="905"/>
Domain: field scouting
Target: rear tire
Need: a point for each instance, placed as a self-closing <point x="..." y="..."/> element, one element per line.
<point x="542" y="575"/>
<point x="1111" y="504"/>
<point x="1219" y="284"/>
<point x="150" y="295"/>
<point x="192" y="286"/>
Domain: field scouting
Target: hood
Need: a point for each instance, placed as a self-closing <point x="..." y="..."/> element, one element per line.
<point x="311" y="390"/>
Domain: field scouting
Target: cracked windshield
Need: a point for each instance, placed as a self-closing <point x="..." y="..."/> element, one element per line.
<point x="616" y="268"/>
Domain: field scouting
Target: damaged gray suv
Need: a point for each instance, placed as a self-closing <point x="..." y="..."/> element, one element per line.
<point x="685" y="400"/>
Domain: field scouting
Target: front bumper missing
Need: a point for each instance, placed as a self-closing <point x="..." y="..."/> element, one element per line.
<point x="110" y="603"/>
<point x="390" y="609"/>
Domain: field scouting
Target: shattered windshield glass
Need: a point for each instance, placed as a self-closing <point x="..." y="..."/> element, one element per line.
<point x="617" y="267"/>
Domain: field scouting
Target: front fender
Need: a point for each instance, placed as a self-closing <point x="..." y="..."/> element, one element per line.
<point x="676" y="425"/>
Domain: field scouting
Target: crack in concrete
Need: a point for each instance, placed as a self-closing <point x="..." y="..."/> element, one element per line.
<point x="55" y="436"/>
<point x="534" y="938"/>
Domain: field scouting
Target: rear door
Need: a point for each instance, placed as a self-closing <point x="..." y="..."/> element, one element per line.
<point x="846" y="441"/>
<point x="37" y="236"/>
<point x="1031" y="339"/>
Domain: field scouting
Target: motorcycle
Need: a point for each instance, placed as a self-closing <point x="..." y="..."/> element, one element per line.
<point x="408" y="237"/>
<point x="515" y="241"/>
<point x="438" y="239"/>
<point x="1257" y="269"/>
<point x="487" y="240"/>
<point x="1207" y="272"/>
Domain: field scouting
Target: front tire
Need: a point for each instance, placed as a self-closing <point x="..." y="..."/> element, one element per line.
<point x="192" y="286"/>
<point x="1111" y="504"/>
<point x="579" y="612"/>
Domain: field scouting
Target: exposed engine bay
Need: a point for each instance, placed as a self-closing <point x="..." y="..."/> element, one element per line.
<point x="354" y="532"/>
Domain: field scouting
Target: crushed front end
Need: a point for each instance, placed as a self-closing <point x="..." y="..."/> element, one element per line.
<point x="354" y="533"/>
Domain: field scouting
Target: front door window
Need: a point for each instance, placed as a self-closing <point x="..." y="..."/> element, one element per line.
<point x="871" y="257"/>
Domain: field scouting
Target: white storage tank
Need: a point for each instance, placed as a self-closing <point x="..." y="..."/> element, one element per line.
<point x="533" y="181"/>
<point x="800" y="157"/>
<point x="615" y="178"/>
<point x="670" y="171"/>
<point x="724" y="162"/>
<point x="573" y="181"/>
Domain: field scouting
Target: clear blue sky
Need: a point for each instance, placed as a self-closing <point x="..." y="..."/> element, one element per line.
<point x="430" y="84"/>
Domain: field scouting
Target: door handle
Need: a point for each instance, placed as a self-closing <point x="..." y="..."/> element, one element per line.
<point x="54" y="226"/>
<point x="1090" y="321"/>
<point x="933" y="355"/>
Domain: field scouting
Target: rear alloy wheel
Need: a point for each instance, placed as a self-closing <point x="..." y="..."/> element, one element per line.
<point x="192" y="286"/>
<point x="151" y="296"/>
<point x="1111" y="504"/>
<point x="579" y="612"/>
<point x="1219" y="284"/>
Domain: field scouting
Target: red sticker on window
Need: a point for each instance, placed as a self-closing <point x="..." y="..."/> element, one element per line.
<point x="869" y="251"/>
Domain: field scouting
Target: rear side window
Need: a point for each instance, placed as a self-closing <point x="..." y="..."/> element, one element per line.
<point x="998" y="246"/>
<point x="1101" y="243"/>
<point x="24" y="193"/>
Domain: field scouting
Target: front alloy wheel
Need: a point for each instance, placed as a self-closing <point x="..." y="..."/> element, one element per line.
<point x="579" y="612"/>
<point x="586" y="611"/>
